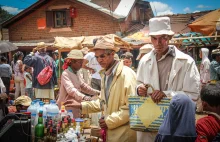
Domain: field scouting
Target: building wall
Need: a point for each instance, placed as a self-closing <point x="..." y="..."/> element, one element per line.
<point x="88" y="22"/>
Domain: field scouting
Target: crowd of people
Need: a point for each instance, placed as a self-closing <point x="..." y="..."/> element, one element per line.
<point x="96" y="80"/>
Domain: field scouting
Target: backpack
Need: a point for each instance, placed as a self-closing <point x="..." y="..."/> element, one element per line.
<point x="45" y="75"/>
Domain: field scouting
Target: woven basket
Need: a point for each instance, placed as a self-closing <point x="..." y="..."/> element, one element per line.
<point x="145" y="115"/>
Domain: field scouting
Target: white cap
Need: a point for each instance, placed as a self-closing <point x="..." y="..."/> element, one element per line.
<point x="160" y="26"/>
<point x="144" y="49"/>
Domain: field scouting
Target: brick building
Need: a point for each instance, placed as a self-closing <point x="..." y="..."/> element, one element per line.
<point x="47" y="19"/>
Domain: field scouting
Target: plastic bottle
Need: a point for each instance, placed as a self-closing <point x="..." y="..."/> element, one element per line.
<point x="63" y="111"/>
<point x="70" y="113"/>
<point x="52" y="110"/>
<point x="32" y="108"/>
<point x="37" y="101"/>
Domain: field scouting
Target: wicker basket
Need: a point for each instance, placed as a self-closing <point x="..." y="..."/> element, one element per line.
<point x="145" y="115"/>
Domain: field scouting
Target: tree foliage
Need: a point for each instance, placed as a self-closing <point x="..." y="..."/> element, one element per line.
<point x="4" y="15"/>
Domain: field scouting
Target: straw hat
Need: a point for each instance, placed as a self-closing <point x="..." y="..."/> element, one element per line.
<point x="160" y="26"/>
<point x="105" y="42"/>
<point x="23" y="100"/>
<point x="75" y="54"/>
<point x="41" y="45"/>
<point x="144" y="49"/>
<point x="216" y="52"/>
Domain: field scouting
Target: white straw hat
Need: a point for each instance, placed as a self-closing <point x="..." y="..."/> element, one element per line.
<point x="75" y="54"/>
<point x="160" y="26"/>
<point x="144" y="49"/>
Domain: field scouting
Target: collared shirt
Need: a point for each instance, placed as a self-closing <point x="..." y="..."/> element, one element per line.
<point x="164" y="67"/>
<point x="5" y="70"/>
<point x="109" y="75"/>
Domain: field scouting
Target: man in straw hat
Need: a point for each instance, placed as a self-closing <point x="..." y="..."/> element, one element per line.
<point x="118" y="82"/>
<point x="39" y="62"/>
<point x="215" y="66"/>
<point x="72" y="86"/>
<point x="22" y="103"/>
<point x="144" y="50"/>
<point x="167" y="69"/>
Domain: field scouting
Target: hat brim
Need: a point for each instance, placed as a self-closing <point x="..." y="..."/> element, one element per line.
<point x="165" y="32"/>
<point x="116" y="49"/>
<point x="77" y="58"/>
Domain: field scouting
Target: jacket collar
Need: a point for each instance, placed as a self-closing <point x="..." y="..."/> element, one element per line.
<point x="178" y="54"/>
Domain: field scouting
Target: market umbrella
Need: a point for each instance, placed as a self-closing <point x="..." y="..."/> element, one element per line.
<point x="207" y="24"/>
<point x="6" y="46"/>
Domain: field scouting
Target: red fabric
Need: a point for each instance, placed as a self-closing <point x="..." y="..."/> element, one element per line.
<point x="67" y="62"/>
<point x="207" y="128"/>
<point x="45" y="75"/>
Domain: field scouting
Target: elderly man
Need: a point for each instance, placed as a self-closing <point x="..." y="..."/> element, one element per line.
<point x="167" y="69"/>
<point x="215" y="66"/>
<point x="39" y="62"/>
<point x="72" y="85"/>
<point x="118" y="81"/>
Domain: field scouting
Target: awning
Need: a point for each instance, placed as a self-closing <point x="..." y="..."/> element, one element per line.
<point x="207" y="24"/>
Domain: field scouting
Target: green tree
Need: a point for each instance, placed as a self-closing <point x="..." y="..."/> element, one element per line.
<point x="4" y="15"/>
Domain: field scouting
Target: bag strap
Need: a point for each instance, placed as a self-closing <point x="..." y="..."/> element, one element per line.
<point x="45" y="60"/>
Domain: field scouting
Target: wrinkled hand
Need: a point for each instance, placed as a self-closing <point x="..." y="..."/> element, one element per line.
<point x="72" y="103"/>
<point x="157" y="96"/>
<point x="142" y="90"/>
<point x="87" y="98"/>
<point x="102" y="124"/>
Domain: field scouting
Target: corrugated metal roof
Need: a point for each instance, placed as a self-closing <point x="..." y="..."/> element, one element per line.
<point x="124" y="7"/>
<point x="104" y="10"/>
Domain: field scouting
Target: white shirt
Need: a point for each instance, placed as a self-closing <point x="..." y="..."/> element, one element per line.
<point x="94" y="64"/>
<point x="28" y="81"/>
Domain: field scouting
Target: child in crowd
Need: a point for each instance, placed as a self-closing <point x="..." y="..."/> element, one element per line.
<point x="28" y="80"/>
<point x="208" y="128"/>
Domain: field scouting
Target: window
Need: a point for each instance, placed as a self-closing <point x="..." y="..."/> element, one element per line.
<point x="58" y="18"/>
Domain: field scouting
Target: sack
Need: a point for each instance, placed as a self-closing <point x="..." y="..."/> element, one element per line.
<point x="145" y="115"/>
<point x="45" y="75"/>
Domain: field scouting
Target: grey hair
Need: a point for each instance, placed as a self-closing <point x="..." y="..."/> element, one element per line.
<point x="108" y="51"/>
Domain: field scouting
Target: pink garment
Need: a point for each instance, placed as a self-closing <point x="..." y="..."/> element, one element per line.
<point x="17" y="71"/>
<point x="72" y="87"/>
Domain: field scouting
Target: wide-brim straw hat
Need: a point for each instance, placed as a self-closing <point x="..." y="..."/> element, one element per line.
<point x="144" y="49"/>
<point x="41" y="45"/>
<point x="75" y="54"/>
<point x="216" y="52"/>
<point x="106" y="42"/>
<point x="23" y="100"/>
<point x="160" y="26"/>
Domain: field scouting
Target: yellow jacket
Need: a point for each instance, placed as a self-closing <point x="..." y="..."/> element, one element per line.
<point x="116" y="110"/>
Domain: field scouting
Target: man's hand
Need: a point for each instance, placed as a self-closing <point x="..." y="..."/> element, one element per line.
<point x="73" y="104"/>
<point x="102" y="124"/>
<point x="142" y="90"/>
<point x="157" y="96"/>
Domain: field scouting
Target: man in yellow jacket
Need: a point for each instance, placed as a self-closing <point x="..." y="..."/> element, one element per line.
<point x="118" y="82"/>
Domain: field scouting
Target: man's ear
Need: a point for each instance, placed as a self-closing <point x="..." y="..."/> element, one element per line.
<point x="205" y="105"/>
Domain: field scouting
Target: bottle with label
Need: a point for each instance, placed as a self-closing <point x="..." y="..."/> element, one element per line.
<point x="39" y="128"/>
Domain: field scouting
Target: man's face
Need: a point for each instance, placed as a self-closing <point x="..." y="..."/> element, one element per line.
<point x="76" y="64"/>
<point x="55" y="57"/>
<point x="200" y="54"/>
<point x="105" y="59"/>
<point x="127" y="62"/>
<point x="160" y="43"/>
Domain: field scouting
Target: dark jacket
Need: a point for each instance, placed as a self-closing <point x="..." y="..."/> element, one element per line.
<point x="39" y="64"/>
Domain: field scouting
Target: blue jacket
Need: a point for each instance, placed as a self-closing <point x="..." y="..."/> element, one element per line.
<point x="39" y="64"/>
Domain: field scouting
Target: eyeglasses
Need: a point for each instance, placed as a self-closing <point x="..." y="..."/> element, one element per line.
<point x="161" y="38"/>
